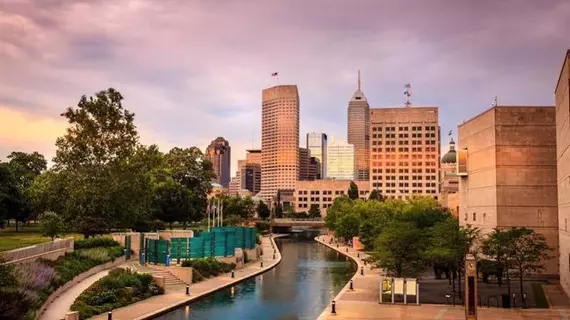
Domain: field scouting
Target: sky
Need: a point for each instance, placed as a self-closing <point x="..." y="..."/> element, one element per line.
<point x="193" y="70"/>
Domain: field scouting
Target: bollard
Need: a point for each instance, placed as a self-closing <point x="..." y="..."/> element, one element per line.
<point x="333" y="311"/>
<point x="337" y="245"/>
<point x="274" y="251"/>
<point x="514" y="300"/>
<point x="233" y="274"/>
<point x="358" y="254"/>
<point x="262" y="264"/>
<point x="187" y="290"/>
<point x="110" y="315"/>
<point x="361" y="271"/>
<point x="351" y="285"/>
<point x="447" y="296"/>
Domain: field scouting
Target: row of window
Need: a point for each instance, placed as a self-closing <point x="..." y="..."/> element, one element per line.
<point x="415" y="128"/>
<point x="402" y="164"/>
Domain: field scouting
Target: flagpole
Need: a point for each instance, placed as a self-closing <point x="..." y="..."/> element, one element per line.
<point x="208" y="214"/>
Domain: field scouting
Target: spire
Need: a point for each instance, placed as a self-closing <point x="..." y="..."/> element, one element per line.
<point x="359" y="83"/>
<point x="358" y="95"/>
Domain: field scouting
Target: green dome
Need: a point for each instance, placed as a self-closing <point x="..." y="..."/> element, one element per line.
<point x="451" y="155"/>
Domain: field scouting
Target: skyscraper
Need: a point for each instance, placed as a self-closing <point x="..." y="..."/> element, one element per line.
<point x="279" y="140"/>
<point x="317" y="144"/>
<point x="358" y="132"/>
<point x="404" y="157"/>
<point x="219" y="153"/>
<point x="304" y="164"/>
<point x="340" y="157"/>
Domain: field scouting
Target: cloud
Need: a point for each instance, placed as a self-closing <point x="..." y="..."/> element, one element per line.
<point x="194" y="70"/>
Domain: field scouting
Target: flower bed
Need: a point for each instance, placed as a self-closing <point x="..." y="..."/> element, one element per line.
<point x="207" y="267"/>
<point x="119" y="288"/>
<point x="29" y="284"/>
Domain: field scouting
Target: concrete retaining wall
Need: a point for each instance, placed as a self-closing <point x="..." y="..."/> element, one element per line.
<point x="77" y="279"/>
<point x="47" y="250"/>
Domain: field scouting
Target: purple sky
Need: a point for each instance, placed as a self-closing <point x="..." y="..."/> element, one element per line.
<point x="194" y="70"/>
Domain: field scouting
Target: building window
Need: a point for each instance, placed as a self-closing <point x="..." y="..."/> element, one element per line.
<point x="474" y="216"/>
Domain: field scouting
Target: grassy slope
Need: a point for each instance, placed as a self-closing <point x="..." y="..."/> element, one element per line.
<point x="26" y="236"/>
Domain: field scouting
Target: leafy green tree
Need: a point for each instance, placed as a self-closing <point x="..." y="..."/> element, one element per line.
<point x="13" y="204"/>
<point x="348" y="226"/>
<point x="527" y="251"/>
<point x="353" y="191"/>
<point x="263" y="210"/>
<point x="495" y="246"/>
<point x="171" y="202"/>
<point x="375" y="216"/>
<point x="424" y="211"/>
<point x="375" y="195"/>
<point x="450" y="243"/>
<point x="26" y="167"/>
<point x="51" y="225"/>
<point x="314" y="211"/>
<point x="401" y="249"/>
<point x="341" y="206"/>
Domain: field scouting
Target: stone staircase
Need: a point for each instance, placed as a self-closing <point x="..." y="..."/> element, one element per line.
<point x="169" y="278"/>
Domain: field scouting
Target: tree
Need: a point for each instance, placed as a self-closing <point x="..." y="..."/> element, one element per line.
<point x="400" y="249"/>
<point x="13" y="205"/>
<point x="314" y="211"/>
<point x="348" y="226"/>
<point x="341" y="205"/>
<point x="26" y="167"/>
<point x="171" y="202"/>
<point x="449" y="245"/>
<point x="495" y="246"/>
<point x="51" y="225"/>
<point x="263" y="210"/>
<point x="375" y="195"/>
<point x="527" y="251"/>
<point x="353" y="191"/>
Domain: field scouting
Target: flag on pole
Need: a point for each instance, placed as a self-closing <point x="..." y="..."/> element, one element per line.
<point x="275" y="74"/>
<point x="449" y="133"/>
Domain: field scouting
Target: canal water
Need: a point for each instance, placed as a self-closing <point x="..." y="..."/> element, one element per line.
<point x="300" y="287"/>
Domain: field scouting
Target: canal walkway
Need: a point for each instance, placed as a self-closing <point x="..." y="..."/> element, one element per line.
<point x="362" y="302"/>
<point x="176" y="297"/>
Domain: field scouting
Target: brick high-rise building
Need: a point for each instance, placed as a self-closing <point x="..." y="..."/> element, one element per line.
<point x="219" y="152"/>
<point x="404" y="151"/>
<point x="305" y="164"/>
<point x="279" y="140"/>
<point x="563" y="162"/>
<point x="507" y="170"/>
<point x="317" y="144"/>
<point x="359" y="132"/>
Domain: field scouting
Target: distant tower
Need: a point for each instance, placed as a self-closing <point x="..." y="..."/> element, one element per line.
<point x="408" y="94"/>
<point x="219" y="152"/>
<point x="358" y="132"/>
<point x="495" y="101"/>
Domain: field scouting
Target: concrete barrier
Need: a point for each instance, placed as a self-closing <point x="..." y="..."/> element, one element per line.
<point x="77" y="279"/>
<point x="47" y="250"/>
<point x="72" y="315"/>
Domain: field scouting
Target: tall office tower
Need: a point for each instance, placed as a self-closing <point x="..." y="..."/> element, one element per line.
<point x="315" y="169"/>
<point x="405" y="151"/>
<point x="563" y="163"/>
<point x="507" y="173"/>
<point x="317" y="144"/>
<point x="304" y="164"/>
<point x="359" y="132"/>
<point x="219" y="153"/>
<point x="279" y="140"/>
<point x="340" y="161"/>
<point x="251" y="172"/>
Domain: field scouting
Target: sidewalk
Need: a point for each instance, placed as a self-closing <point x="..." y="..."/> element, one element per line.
<point x="60" y="306"/>
<point x="362" y="302"/>
<point x="174" y="298"/>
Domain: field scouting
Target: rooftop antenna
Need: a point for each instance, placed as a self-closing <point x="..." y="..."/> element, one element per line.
<point x="359" y="82"/>
<point x="408" y="94"/>
<point x="495" y="101"/>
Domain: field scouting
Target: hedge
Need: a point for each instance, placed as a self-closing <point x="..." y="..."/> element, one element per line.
<point x="96" y="242"/>
<point x="207" y="267"/>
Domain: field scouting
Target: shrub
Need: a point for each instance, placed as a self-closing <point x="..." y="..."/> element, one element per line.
<point x="196" y="276"/>
<point x="262" y="226"/>
<point x="119" y="288"/>
<point x="207" y="267"/>
<point x="97" y="242"/>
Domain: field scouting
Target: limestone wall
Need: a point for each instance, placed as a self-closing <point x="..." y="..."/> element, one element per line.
<point x="47" y="250"/>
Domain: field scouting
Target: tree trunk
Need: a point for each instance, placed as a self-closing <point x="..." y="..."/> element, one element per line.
<point x="508" y="283"/>
<point x="459" y="282"/>
<point x="521" y="284"/>
<point x="17" y="225"/>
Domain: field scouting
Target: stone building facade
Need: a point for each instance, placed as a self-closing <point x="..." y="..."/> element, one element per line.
<point x="323" y="193"/>
<point x="563" y="160"/>
<point x="511" y="172"/>
<point x="405" y="151"/>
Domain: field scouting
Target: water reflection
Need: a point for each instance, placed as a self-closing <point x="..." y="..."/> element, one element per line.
<point x="300" y="287"/>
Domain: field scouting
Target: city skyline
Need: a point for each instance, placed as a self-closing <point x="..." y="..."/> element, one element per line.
<point x="54" y="52"/>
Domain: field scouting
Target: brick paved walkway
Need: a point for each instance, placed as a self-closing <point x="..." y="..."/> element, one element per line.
<point x="362" y="303"/>
<point x="176" y="297"/>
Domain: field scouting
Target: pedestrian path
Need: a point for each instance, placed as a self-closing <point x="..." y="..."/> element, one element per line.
<point x="60" y="306"/>
<point x="362" y="302"/>
<point x="174" y="298"/>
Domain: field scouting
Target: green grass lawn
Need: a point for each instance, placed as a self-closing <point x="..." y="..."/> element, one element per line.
<point x="26" y="236"/>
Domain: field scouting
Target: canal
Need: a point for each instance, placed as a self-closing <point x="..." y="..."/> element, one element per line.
<point x="300" y="287"/>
